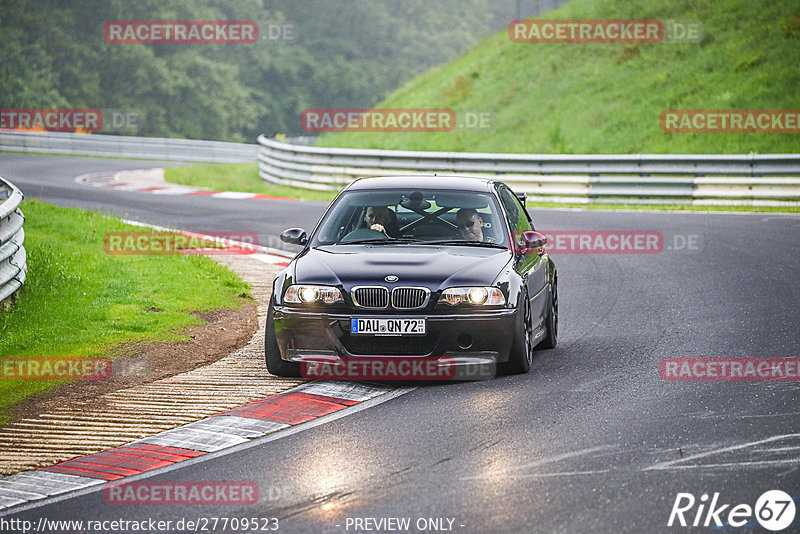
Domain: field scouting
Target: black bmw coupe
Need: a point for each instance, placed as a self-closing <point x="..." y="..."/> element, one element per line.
<point x="445" y="271"/>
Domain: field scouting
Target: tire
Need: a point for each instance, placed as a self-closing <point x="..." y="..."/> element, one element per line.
<point x="272" y="353"/>
<point x="521" y="356"/>
<point x="551" y="321"/>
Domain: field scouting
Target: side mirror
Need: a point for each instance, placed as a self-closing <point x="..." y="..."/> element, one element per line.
<point x="294" y="236"/>
<point x="530" y="241"/>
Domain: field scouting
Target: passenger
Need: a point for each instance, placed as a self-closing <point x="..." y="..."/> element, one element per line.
<point x="470" y="226"/>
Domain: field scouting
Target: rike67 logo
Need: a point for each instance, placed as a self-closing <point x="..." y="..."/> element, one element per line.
<point x="774" y="510"/>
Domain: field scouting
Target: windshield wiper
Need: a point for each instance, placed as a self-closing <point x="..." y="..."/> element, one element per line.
<point x="376" y="241"/>
<point x="462" y="242"/>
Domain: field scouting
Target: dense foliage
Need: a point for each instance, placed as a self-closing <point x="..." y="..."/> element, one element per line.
<point x="344" y="54"/>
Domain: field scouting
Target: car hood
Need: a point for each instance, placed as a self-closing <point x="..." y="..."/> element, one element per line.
<point x="434" y="267"/>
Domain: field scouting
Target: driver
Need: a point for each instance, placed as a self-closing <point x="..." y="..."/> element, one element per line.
<point x="377" y="218"/>
<point x="470" y="226"/>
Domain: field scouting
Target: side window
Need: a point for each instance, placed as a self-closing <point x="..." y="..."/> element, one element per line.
<point x="517" y="219"/>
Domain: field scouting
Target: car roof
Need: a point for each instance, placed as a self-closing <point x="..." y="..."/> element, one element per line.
<point x="459" y="183"/>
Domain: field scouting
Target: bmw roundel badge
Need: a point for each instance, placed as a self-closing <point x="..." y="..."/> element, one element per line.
<point x="391" y="278"/>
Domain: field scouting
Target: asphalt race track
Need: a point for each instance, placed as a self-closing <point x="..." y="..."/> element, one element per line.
<point x="52" y="179"/>
<point x="591" y="440"/>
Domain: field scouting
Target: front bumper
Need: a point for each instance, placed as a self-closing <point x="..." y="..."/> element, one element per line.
<point x="464" y="341"/>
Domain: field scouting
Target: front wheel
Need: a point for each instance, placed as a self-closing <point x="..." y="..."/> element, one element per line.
<point x="551" y="321"/>
<point x="272" y="353"/>
<point x="521" y="356"/>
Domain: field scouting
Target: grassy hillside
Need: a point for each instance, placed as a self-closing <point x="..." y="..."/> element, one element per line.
<point x="607" y="98"/>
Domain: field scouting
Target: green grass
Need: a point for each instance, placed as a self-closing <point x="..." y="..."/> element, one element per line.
<point x="80" y="301"/>
<point x="607" y="98"/>
<point x="241" y="177"/>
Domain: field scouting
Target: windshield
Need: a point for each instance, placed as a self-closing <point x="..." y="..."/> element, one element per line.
<point x="418" y="216"/>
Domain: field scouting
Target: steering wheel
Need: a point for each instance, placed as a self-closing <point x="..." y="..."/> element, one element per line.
<point x="363" y="233"/>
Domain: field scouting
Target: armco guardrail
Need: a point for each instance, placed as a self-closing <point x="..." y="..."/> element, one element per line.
<point x="119" y="146"/>
<point x="13" y="260"/>
<point x="771" y="179"/>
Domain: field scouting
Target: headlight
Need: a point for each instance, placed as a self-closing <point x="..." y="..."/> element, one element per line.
<point x="311" y="294"/>
<point x="475" y="296"/>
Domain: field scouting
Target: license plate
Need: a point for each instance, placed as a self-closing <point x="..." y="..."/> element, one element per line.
<point x="388" y="327"/>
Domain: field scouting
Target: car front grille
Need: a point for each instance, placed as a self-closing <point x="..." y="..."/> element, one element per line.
<point x="408" y="298"/>
<point x="403" y="298"/>
<point x="371" y="297"/>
